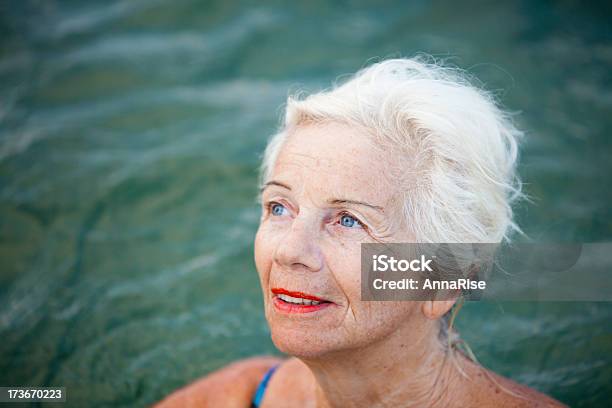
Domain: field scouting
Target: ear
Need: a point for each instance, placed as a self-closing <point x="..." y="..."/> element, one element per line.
<point x="434" y="309"/>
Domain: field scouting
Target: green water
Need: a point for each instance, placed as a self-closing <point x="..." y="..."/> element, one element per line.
<point x="129" y="140"/>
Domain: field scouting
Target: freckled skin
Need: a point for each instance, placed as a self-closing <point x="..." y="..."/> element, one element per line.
<point x="307" y="250"/>
<point x="352" y="353"/>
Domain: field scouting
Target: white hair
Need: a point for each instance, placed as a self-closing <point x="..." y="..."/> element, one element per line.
<point x="454" y="150"/>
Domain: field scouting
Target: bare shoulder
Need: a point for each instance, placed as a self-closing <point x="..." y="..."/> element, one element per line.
<point x="524" y="396"/>
<point x="494" y="390"/>
<point x="230" y="386"/>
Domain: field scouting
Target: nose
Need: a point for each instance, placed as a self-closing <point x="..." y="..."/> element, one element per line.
<point x="299" y="248"/>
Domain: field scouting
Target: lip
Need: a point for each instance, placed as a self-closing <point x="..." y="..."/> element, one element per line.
<point x="282" y="291"/>
<point x="291" y="308"/>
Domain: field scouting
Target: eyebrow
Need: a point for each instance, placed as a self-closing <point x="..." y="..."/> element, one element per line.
<point x="334" y="201"/>
<point x="274" y="183"/>
<point x="342" y="201"/>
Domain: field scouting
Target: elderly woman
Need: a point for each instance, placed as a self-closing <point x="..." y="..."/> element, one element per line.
<point x="405" y="151"/>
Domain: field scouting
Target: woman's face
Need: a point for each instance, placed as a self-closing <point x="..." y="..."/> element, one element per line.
<point x="328" y="192"/>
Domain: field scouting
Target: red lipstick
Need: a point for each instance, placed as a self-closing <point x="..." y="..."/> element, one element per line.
<point x="288" y="301"/>
<point x="281" y="291"/>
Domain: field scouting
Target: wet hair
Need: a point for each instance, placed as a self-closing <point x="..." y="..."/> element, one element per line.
<point x="452" y="148"/>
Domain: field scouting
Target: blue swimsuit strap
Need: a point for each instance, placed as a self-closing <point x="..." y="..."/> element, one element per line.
<point x="261" y="389"/>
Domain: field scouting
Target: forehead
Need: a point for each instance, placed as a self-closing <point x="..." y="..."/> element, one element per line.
<point x="334" y="160"/>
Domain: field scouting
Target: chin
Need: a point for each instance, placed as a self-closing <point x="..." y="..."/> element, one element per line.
<point x="304" y="344"/>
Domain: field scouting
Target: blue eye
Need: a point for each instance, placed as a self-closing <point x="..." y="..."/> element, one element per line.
<point x="349" y="222"/>
<point x="277" y="209"/>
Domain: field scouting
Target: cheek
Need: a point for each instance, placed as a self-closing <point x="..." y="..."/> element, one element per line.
<point x="344" y="262"/>
<point x="376" y="321"/>
<point x="264" y="253"/>
<point x="342" y="249"/>
<point x="389" y="315"/>
<point x="261" y="255"/>
<point x="366" y="320"/>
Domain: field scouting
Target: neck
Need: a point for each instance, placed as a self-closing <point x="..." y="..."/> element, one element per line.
<point x="398" y="371"/>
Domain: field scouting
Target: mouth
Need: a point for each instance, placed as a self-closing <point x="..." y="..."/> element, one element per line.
<point x="297" y="302"/>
